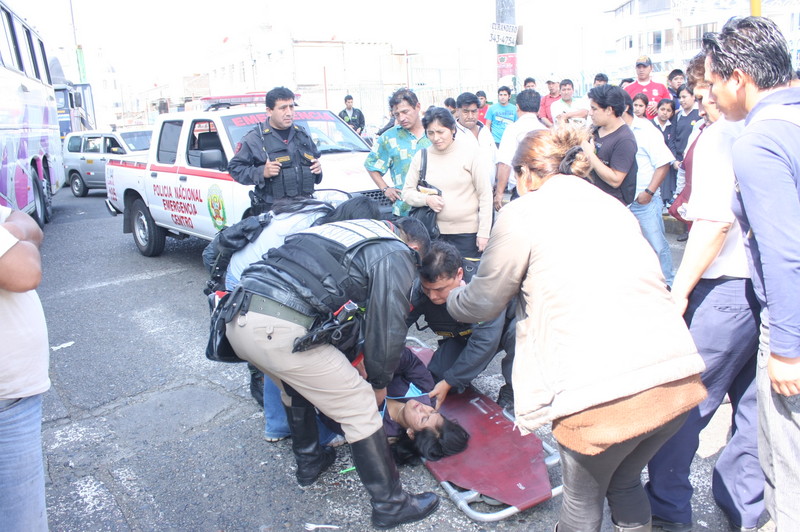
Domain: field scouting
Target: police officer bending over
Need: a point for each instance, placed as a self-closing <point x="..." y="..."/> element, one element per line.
<point x="298" y="319"/>
<point x="278" y="157"/>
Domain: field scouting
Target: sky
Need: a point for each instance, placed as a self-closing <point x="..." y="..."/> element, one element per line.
<point x="152" y="38"/>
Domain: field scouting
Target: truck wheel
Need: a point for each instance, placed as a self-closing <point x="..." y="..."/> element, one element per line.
<point x="38" y="200"/>
<point x="79" y="188"/>
<point x="149" y="238"/>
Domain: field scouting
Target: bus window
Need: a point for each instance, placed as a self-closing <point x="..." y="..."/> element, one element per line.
<point x="23" y="48"/>
<point x="32" y="54"/>
<point x="9" y="45"/>
<point x="43" y="67"/>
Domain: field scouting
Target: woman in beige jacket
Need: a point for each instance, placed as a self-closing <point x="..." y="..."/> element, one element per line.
<point x="464" y="209"/>
<point x="602" y="351"/>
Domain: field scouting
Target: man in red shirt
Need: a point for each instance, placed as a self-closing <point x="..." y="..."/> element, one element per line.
<point x="655" y="92"/>
<point x="547" y="101"/>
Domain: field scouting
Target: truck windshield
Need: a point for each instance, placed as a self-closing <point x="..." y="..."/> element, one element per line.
<point x="137" y="140"/>
<point x="329" y="132"/>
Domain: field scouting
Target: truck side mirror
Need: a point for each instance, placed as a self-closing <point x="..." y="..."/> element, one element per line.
<point x="116" y="150"/>
<point x="213" y="159"/>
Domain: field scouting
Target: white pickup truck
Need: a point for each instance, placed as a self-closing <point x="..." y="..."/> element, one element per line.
<point x="184" y="188"/>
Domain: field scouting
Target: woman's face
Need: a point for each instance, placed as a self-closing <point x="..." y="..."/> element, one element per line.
<point x="440" y="136"/>
<point x="664" y="113"/>
<point x="639" y="108"/>
<point x="686" y="100"/>
<point x="419" y="416"/>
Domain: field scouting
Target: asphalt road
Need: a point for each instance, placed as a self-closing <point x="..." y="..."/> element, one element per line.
<point x="142" y="433"/>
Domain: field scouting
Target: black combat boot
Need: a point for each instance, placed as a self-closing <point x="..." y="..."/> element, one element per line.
<point x="391" y="506"/>
<point x="311" y="457"/>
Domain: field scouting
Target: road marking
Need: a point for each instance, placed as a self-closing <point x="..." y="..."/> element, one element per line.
<point x="117" y="282"/>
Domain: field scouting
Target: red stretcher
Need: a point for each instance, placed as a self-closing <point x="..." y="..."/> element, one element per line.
<point x="500" y="467"/>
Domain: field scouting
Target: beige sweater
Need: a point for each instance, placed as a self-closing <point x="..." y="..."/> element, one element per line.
<point x="463" y="176"/>
<point x="595" y="322"/>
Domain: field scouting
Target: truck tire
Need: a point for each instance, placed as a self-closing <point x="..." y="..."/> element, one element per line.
<point x="79" y="188"/>
<point x="38" y="200"/>
<point x="149" y="238"/>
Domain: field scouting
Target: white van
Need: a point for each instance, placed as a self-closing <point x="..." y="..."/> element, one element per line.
<point x="87" y="152"/>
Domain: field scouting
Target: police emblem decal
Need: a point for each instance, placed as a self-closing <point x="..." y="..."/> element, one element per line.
<point x="216" y="207"/>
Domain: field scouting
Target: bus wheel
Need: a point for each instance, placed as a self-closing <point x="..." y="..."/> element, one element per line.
<point x="47" y="196"/>
<point x="149" y="238"/>
<point x="38" y="200"/>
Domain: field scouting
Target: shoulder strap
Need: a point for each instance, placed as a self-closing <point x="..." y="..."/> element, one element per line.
<point x="423" y="168"/>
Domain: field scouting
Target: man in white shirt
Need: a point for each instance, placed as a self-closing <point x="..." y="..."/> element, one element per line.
<point x="568" y="108"/>
<point x="527" y="120"/>
<point x="468" y="126"/>
<point x="653" y="158"/>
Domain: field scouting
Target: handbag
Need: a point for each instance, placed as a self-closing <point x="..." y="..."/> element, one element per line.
<point x="425" y="214"/>
<point x="219" y="348"/>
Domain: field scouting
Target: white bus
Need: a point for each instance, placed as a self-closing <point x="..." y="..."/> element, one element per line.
<point x="31" y="169"/>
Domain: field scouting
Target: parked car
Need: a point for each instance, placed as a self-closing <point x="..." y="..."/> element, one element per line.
<point x="87" y="152"/>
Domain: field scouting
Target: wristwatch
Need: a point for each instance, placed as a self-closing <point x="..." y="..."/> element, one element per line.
<point x="650" y="192"/>
<point x="384" y="189"/>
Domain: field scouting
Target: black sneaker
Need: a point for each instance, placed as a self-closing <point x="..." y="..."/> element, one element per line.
<point x="505" y="399"/>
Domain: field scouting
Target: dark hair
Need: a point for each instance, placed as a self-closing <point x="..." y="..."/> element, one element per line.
<point x="348" y="97"/>
<point x="415" y="232"/>
<point x="686" y="88"/>
<point x="297" y="204"/>
<point x="754" y="45"/>
<point x="466" y="98"/>
<point x="609" y="96"/>
<point x="441" y="261"/>
<point x="450" y="102"/>
<point x="666" y="101"/>
<point x="629" y="103"/>
<point x="639" y="96"/>
<point x="696" y="71"/>
<point x="480" y="93"/>
<point x="356" y="208"/>
<point x="674" y="73"/>
<point x="529" y="101"/>
<point x="601" y="77"/>
<point x="504" y="88"/>
<point x="528" y="80"/>
<point x="403" y="95"/>
<point x="278" y="93"/>
<point x="440" y="114"/>
<point x="565" y="82"/>
<point x="625" y="80"/>
<point x="452" y="439"/>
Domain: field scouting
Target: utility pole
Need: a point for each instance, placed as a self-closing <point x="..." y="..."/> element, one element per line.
<point x="507" y="53"/>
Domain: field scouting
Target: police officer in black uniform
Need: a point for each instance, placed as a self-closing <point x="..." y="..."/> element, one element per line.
<point x="278" y="157"/>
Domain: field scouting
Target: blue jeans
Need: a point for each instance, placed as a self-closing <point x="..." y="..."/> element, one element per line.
<point x="652" y="223"/>
<point x="723" y="318"/>
<point x="275" y="422"/>
<point x="22" y="504"/>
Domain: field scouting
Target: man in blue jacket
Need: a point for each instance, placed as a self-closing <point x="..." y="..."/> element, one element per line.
<point x="750" y="67"/>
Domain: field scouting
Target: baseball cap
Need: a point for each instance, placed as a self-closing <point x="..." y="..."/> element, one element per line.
<point x="644" y="61"/>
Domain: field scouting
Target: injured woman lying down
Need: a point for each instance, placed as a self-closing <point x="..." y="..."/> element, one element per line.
<point x="414" y="427"/>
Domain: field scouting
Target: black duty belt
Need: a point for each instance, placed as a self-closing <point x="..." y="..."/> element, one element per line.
<point x="268" y="307"/>
<point x="446" y="334"/>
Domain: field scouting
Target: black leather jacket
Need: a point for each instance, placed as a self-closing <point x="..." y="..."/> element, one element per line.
<point x="384" y="269"/>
